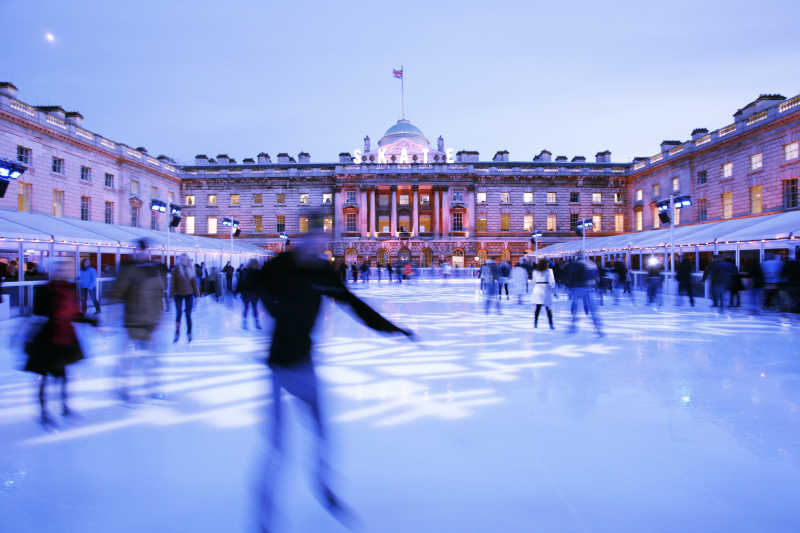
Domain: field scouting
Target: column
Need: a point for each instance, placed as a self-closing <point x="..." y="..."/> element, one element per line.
<point x="415" y="212"/>
<point x="373" y="230"/>
<point x="436" y="229"/>
<point x="338" y="226"/>
<point x="362" y="213"/>
<point x="469" y="224"/>
<point x="393" y="200"/>
<point x="445" y="212"/>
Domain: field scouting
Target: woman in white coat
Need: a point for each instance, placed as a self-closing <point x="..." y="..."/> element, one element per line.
<point x="519" y="281"/>
<point x="544" y="284"/>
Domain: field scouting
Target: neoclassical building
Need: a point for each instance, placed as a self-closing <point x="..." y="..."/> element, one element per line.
<point x="405" y="198"/>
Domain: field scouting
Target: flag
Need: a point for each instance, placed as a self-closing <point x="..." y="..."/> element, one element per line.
<point x="398" y="73"/>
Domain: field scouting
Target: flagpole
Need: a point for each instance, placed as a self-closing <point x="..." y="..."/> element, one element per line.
<point x="402" y="92"/>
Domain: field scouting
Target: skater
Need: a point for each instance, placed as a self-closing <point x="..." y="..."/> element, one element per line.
<point x="519" y="281"/>
<point x="581" y="280"/>
<point x="684" y="278"/>
<point x="248" y="288"/>
<point x="504" y="272"/>
<point x="354" y="273"/>
<point x="490" y="280"/>
<point x="88" y="286"/>
<point x="293" y="285"/>
<point x="184" y="291"/>
<point x="228" y="271"/>
<point x="720" y="273"/>
<point x="543" y="285"/>
<point x="654" y="281"/>
<point x="55" y="344"/>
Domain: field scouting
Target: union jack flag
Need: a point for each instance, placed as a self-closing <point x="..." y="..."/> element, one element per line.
<point x="398" y="73"/>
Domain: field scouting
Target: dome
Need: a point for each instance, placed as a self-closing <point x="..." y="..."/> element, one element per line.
<point x="403" y="130"/>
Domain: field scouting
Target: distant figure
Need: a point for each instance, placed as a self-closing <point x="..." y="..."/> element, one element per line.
<point x="228" y="271"/>
<point x="248" y="288"/>
<point x="791" y="283"/>
<point x="772" y="269"/>
<point x="389" y="270"/>
<point x="365" y="272"/>
<point x="735" y="285"/>
<point x="88" y="286"/>
<point x="490" y="279"/>
<point x="504" y="273"/>
<point x="684" y="278"/>
<point x="184" y="291"/>
<point x="544" y="284"/>
<point x="293" y="286"/>
<point x="354" y="272"/>
<point x="519" y="281"/>
<point x="720" y="272"/>
<point x="654" y="268"/>
<point x="581" y="278"/>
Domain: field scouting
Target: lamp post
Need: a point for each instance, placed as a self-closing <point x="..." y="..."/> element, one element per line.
<point x="666" y="212"/>
<point x="534" y="239"/>
<point x="9" y="170"/>
<point x="234" y="225"/>
<point x="581" y="228"/>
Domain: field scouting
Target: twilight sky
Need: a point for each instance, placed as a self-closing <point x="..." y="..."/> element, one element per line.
<point x="182" y="77"/>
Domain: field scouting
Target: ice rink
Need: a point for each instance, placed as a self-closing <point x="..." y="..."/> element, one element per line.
<point x="678" y="419"/>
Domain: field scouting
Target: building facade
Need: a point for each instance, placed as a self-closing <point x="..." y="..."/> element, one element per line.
<point x="406" y="199"/>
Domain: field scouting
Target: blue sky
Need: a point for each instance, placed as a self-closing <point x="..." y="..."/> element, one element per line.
<point x="241" y="77"/>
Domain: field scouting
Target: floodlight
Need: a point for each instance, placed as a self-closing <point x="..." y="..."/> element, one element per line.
<point x="9" y="170"/>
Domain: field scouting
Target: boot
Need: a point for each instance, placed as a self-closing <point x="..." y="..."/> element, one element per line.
<point x="177" y="335"/>
<point x="550" y="318"/>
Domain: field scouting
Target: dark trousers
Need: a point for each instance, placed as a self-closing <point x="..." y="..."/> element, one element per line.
<point x="686" y="288"/>
<point x="85" y="295"/>
<point x="181" y="301"/>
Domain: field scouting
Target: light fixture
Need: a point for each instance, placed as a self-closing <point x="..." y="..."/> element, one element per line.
<point x="9" y="170"/>
<point x="158" y="206"/>
<point x="175" y="211"/>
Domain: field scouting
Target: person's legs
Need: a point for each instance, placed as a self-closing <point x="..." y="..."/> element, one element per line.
<point x="178" y="309"/>
<point x="536" y="315"/>
<point x="189" y="303"/>
<point x="65" y="410"/>
<point x="550" y="317"/>
<point x="84" y="297"/>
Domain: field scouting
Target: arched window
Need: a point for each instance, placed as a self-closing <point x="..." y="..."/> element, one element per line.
<point x="350" y="256"/>
<point x="404" y="255"/>
<point x="458" y="258"/>
<point x="482" y="256"/>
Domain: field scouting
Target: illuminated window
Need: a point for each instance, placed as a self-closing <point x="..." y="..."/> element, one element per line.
<point x="551" y="222"/>
<point x="24" y="196"/>
<point x="189" y="225"/>
<point x="58" y="203"/>
<point x="639" y="218"/>
<point x="527" y="222"/>
<point x="639" y="195"/>
<point x="384" y="225"/>
<point x="212" y="225"/>
<point x="303" y="224"/>
<point x="618" y="198"/>
<point x="480" y="224"/>
<point x="234" y="199"/>
<point x="702" y="177"/>
<point x="134" y="186"/>
<point x="505" y="222"/>
<point x="304" y="198"/>
<point x="212" y="199"/>
<point x="480" y="197"/>
<point x="676" y="184"/>
<point x="527" y="197"/>
<point x="597" y="197"/>
<point x="403" y="199"/>
<point x="619" y="222"/>
<point x="727" y="205"/>
<point x="258" y="199"/>
<point x="597" y="222"/>
<point x="656" y="219"/>
<point x="790" y="151"/>
<point x="656" y="190"/>
<point x="424" y="199"/>
<point x="350" y="197"/>
<point x="86" y="174"/>
<point x="57" y="165"/>
<point x="190" y="201"/>
<point x="85" y="211"/>
<point x="551" y="197"/>
<point x="109" y="180"/>
<point x="280" y="223"/>
<point x="790" y="193"/>
<point x="258" y="223"/>
<point x="351" y="222"/>
<point x="677" y="218"/>
<point x="505" y="198"/>
<point x="404" y="223"/>
<point x="574" y="197"/>
<point x="425" y="224"/>
<point x="755" y="199"/>
<point x="727" y="170"/>
<point x="327" y="224"/>
<point x="702" y="209"/>
<point x="756" y="161"/>
<point x="134" y="217"/>
<point x="327" y="198"/>
<point x="24" y="155"/>
<point x="458" y="224"/>
<point x="280" y="198"/>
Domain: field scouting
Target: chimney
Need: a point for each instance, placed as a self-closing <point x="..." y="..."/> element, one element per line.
<point x="201" y="159"/>
<point x="8" y="89"/>
<point x="699" y="132"/>
<point x="283" y="158"/>
<point x="561" y="158"/>
<point x="304" y="157"/>
<point x="263" y="159"/>
<point x="53" y="110"/>
<point x="165" y="159"/>
<point x="578" y="159"/>
<point x="249" y="161"/>
<point x="231" y="161"/>
<point x="345" y="157"/>
<point x="666" y="146"/>
<point x="74" y="118"/>
<point x="501" y="156"/>
<point x="545" y="156"/>
<point x="602" y="157"/>
<point x="222" y="159"/>
<point x="141" y="149"/>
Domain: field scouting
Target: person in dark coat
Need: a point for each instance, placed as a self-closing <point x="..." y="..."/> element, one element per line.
<point x="354" y="272"/>
<point x="55" y="345"/>
<point x="228" y="271"/>
<point x="684" y="278"/>
<point x="294" y="284"/>
<point x="735" y="285"/>
<point x="248" y="288"/>
<point x="720" y="273"/>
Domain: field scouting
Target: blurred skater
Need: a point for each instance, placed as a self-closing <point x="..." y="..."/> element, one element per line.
<point x="543" y="285"/>
<point x="248" y="288"/>
<point x="519" y="281"/>
<point x="490" y="281"/>
<point x="581" y="280"/>
<point x="184" y="291"/>
<point x="684" y="277"/>
<point x="88" y="285"/>
<point x="293" y="285"/>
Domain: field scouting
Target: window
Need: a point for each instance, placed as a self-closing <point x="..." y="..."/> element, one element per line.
<point x="755" y="199"/>
<point x="676" y="219"/>
<point x="258" y="224"/>
<point x="84" y="208"/>
<point x="350" y="197"/>
<point x="108" y="213"/>
<point x="573" y="221"/>
<point x="154" y="193"/>
<point x="551" y="197"/>
<point x="280" y="223"/>
<point x="656" y="219"/>
<point x="25" y="190"/>
<point x="190" y="201"/>
<point x="727" y="205"/>
<point x="134" y="216"/>
<point x="527" y="197"/>
<point x="424" y="199"/>
<point x="656" y="190"/>
<point x="790" y="193"/>
<point x="702" y="177"/>
<point x="639" y="217"/>
<point x="639" y="195"/>
<point x="189" y="225"/>
<point x="235" y="199"/>
<point x="303" y="224"/>
<point x="480" y="224"/>
<point x="350" y="225"/>
<point x="403" y="199"/>
<point x="404" y="223"/>
<point x="384" y="225"/>
<point x="458" y="224"/>
<point x="327" y="224"/>
<point x="258" y="199"/>
<point x="505" y="222"/>
<point x="58" y="165"/>
<point x="505" y="198"/>
<point x="134" y="187"/>
<point x="280" y="198"/>
<point x="170" y="197"/>
<point x="790" y="151"/>
<point x="619" y="222"/>
<point x="597" y="198"/>
<point x="109" y="181"/>
<point x="458" y="198"/>
<point x="702" y="209"/>
<point x="756" y="161"/>
<point x="86" y="174"/>
<point x="383" y="200"/>
<point x="212" y="200"/>
<point x="618" y="198"/>
<point x="597" y="221"/>
<point x="727" y="170"/>
<point x="24" y="155"/>
<point x="327" y="198"/>
<point x="527" y="222"/>
<point x="551" y="222"/>
<point x="58" y="203"/>
<point x="574" y="197"/>
<point x="676" y="184"/>
<point x="425" y="224"/>
<point x="480" y="197"/>
<point x="304" y="198"/>
<point x="211" y="225"/>
<point x="153" y="220"/>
